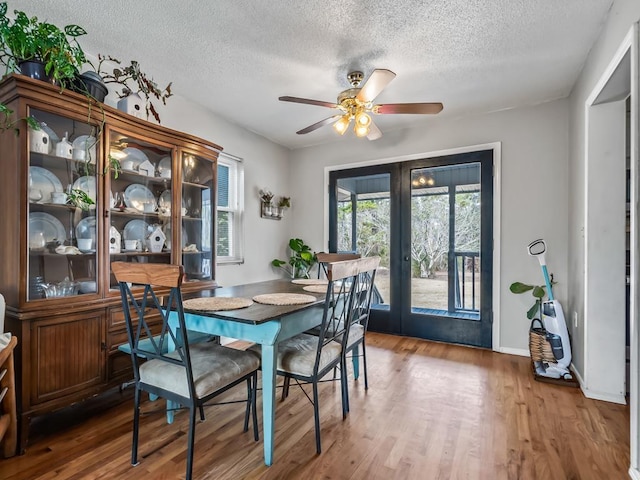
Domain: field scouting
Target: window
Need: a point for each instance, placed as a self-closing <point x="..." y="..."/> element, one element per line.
<point x="229" y="209"/>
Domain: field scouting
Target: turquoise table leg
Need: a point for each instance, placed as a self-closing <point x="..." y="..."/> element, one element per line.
<point x="356" y="361"/>
<point x="268" y="399"/>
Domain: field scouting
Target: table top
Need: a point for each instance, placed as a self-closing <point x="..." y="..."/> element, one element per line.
<point x="257" y="313"/>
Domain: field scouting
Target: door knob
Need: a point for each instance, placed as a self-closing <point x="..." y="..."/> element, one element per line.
<point x="407" y="258"/>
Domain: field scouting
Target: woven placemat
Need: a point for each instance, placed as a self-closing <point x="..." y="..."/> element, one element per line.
<point x="217" y="303"/>
<point x="310" y="281"/>
<point x="284" y="298"/>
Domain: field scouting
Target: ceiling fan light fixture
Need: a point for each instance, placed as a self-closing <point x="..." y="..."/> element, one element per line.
<point x="342" y="124"/>
<point x="361" y="130"/>
<point x="362" y="119"/>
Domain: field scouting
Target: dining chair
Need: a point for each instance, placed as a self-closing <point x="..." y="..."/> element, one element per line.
<point x="363" y="293"/>
<point x="324" y="259"/>
<point x="307" y="358"/>
<point x="186" y="374"/>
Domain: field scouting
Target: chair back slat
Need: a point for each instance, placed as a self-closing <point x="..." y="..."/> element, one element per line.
<point x="324" y="259"/>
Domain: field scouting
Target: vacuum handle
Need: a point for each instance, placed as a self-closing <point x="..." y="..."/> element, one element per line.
<point x="537" y="249"/>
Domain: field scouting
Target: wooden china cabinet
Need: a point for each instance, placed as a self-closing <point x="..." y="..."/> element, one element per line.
<point x="55" y="256"/>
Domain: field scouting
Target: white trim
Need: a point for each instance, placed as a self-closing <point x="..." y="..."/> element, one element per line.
<point x="521" y="352"/>
<point x="629" y="43"/>
<point x="606" y="397"/>
<point x="634" y="307"/>
<point x="497" y="197"/>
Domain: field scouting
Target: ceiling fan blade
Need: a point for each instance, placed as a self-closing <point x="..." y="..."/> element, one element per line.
<point x="317" y="125"/>
<point x="374" y="132"/>
<point x="423" y="108"/>
<point x="379" y="79"/>
<point x="308" y="101"/>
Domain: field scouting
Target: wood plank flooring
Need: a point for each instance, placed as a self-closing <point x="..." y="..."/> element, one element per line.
<point x="432" y="411"/>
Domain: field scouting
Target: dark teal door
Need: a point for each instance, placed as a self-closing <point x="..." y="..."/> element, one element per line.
<point x="431" y="223"/>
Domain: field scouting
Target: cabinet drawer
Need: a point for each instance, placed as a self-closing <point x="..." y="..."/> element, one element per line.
<point x="119" y="337"/>
<point x="116" y="318"/>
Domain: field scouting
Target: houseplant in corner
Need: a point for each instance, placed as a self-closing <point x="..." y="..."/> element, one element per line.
<point x="40" y="49"/>
<point x="300" y="262"/>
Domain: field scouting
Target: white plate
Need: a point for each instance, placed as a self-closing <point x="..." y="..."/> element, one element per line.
<point x="48" y="225"/>
<point x="135" y="230"/>
<point x="136" y="195"/>
<point x="135" y="155"/>
<point x="86" y="228"/>
<point x="87" y="185"/>
<point x="164" y="167"/>
<point x="166" y="229"/>
<point x="164" y="202"/>
<point x="42" y="180"/>
<point x="84" y="148"/>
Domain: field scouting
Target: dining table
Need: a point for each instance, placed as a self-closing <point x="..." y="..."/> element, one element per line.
<point x="262" y="324"/>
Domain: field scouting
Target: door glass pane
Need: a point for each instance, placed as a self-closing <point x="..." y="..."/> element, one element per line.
<point x="364" y="224"/>
<point x="62" y="201"/>
<point x="429" y="241"/>
<point x="197" y="221"/>
<point x="140" y="201"/>
<point x="445" y="240"/>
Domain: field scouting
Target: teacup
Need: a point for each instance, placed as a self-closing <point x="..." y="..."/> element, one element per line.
<point x="127" y="164"/>
<point x="58" y="197"/>
<point x="85" y="244"/>
<point x="149" y="207"/>
<point x="130" y="244"/>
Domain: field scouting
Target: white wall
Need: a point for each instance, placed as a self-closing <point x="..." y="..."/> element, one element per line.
<point x="534" y="145"/>
<point x="266" y="165"/>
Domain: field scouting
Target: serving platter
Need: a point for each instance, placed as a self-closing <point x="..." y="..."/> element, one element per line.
<point x="86" y="228"/>
<point x="136" y="195"/>
<point x="88" y="185"/>
<point x="48" y="225"/>
<point x="44" y="181"/>
<point x="136" y="230"/>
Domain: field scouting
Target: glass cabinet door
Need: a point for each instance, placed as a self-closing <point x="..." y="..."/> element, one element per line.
<point x="140" y="201"/>
<point x="62" y="201"/>
<point x="198" y="176"/>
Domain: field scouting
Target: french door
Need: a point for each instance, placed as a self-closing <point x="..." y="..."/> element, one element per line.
<point x="431" y="223"/>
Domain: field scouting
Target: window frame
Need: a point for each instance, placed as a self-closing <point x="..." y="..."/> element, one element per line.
<point x="235" y="208"/>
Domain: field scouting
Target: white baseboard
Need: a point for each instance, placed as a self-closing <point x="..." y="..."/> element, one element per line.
<point x="514" y="351"/>
<point x="604" y="396"/>
<point x="635" y="474"/>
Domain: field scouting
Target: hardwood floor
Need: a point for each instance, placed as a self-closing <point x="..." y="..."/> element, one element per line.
<point x="432" y="411"/>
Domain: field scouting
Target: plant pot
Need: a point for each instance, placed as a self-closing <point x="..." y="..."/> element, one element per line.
<point x="90" y="83"/>
<point x="34" y="69"/>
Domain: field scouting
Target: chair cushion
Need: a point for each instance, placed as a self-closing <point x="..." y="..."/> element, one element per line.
<point x="356" y="332"/>
<point x="213" y="367"/>
<point x="298" y="354"/>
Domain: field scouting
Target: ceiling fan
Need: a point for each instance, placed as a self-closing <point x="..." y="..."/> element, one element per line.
<point x="356" y="104"/>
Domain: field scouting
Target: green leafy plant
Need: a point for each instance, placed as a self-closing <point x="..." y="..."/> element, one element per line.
<point x="28" y="39"/>
<point x="284" y="202"/>
<point x="6" y="122"/>
<point x="539" y="292"/>
<point x="80" y="199"/>
<point x="300" y="262"/>
<point x="134" y="80"/>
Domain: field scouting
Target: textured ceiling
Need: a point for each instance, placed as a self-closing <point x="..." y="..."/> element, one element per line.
<point x="236" y="57"/>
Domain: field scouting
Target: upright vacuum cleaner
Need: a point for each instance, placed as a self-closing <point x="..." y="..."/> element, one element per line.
<point x="553" y="322"/>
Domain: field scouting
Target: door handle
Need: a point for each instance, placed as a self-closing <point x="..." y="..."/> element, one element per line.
<point x="407" y="258"/>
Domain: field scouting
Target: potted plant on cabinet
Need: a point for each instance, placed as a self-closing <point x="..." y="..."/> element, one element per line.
<point x="135" y="83"/>
<point x="40" y="49"/>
